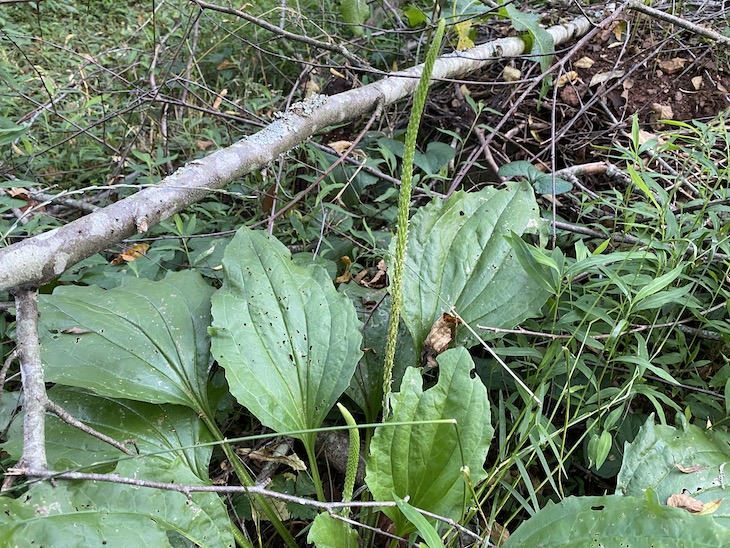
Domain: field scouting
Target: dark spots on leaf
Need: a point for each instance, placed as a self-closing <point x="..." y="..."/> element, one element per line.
<point x="461" y="213"/>
<point x="597" y="508"/>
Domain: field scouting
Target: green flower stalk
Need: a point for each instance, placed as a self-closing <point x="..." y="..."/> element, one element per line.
<point x="353" y="458"/>
<point x="404" y="200"/>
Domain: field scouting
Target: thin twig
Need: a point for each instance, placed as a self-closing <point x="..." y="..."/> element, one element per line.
<point x="342" y="50"/>
<point x="376" y="114"/>
<point x="66" y="417"/>
<point x="673" y="19"/>
<point x="6" y="366"/>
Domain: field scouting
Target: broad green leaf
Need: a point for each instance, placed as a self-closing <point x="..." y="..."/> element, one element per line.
<point x="426" y="461"/>
<point x="289" y="342"/>
<point x="542" y="182"/>
<point x="328" y="532"/>
<point x="437" y="156"/>
<point x="143" y="340"/>
<point x="613" y="521"/>
<point x="671" y="460"/>
<point x="415" y="16"/>
<point x="154" y="428"/>
<point x="457" y="256"/>
<point x="99" y="513"/>
<point x="366" y="387"/>
<point x="461" y="10"/>
<point x="355" y="12"/>
<point x="542" y="48"/>
<point x="520" y="168"/>
<point x="544" y="185"/>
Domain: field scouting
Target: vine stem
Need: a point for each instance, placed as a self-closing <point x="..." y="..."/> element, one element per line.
<point x="404" y="200"/>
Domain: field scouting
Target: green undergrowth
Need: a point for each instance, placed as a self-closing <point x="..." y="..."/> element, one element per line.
<point x="546" y="382"/>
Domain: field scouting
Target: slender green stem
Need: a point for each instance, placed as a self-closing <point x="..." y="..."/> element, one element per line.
<point x="404" y="200"/>
<point x="246" y="480"/>
<point x="309" y="447"/>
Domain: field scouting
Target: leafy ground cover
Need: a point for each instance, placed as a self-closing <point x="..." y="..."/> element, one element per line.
<point x="560" y="363"/>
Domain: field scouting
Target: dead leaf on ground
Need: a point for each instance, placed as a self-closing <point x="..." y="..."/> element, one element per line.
<point x="203" y="144"/>
<point x="346" y="275"/>
<point x="511" y="74"/>
<point x="219" y="99"/>
<point x="602" y="77"/>
<point x="685" y="501"/>
<point x="584" y="63"/>
<point x="569" y="77"/>
<point x="659" y="112"/>
<point x="673" y="65"/>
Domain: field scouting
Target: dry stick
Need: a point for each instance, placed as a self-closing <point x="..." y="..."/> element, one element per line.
<point x="66" y="417"/>
<point x="342" y="50"/>
<point x="6" y="367"/>
<point x="39" y="259"/>
<point x="376" y="114"/>
<point x="34" y="386"/>
<point x="697" y="29"/>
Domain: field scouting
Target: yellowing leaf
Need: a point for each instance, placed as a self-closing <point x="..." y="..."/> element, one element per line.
<point x="711" y="507"/>
<point x="462" y="31"/>
<point x="131" y="253"/>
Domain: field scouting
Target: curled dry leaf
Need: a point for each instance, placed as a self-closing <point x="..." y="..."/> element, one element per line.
<point x="219" y="99"/>
<point x="439" y="338"/>
<point x="340" y="146"/>
<point x="570" y="76"/>
<point x="377" y="280"/>
<point x="269" y="454"/>
<point x="689" y="469"/>
<point x="602" y="77"/>
<point x="584" y="63"/>
<point x="673" y="65"/>
<point x="511" y="74"/>
<point x="685" y="501"/>
<point x="132" y="253"/>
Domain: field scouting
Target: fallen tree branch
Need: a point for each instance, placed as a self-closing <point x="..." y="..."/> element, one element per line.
<point x="37" y="260"/>
<point x="34" y="386"/>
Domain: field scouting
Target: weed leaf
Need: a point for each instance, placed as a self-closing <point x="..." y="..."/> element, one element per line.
<point x="426" y="462"/>
<point x="458" y="255"/>
<point x="96" y="513"/>
<point x="145" y="340"/>
<point x="614" y="520"/>
<point x="328" y="532"/>
<point x="671" y="460"/>
<point x="289" y="342"/>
